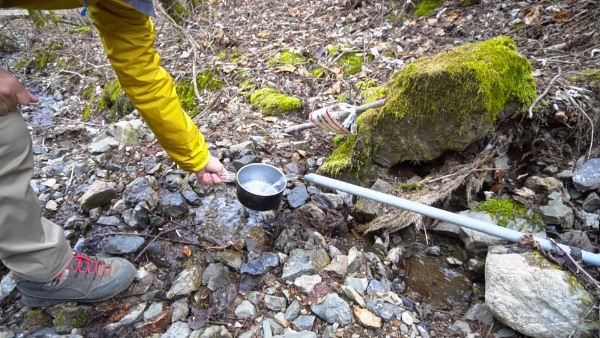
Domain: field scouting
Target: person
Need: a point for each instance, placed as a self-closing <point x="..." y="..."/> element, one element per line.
<point x="36" y="251"/>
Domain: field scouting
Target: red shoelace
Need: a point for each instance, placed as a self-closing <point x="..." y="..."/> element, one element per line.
<point x="85" y="264"/>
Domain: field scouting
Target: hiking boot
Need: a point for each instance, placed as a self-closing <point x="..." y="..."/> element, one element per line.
<point x="86" y="279"/>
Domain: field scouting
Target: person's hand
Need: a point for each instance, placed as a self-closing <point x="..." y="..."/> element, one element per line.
<point x="12" y="93"/>
<point x="213" y="173"/>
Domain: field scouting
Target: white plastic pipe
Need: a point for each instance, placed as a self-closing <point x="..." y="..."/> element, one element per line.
<point x="461" y="220"/>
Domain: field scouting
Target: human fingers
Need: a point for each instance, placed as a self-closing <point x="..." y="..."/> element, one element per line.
<point x="4" y="108"/>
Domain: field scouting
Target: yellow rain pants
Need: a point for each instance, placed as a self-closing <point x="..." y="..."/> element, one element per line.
<point x="128" y="37"/>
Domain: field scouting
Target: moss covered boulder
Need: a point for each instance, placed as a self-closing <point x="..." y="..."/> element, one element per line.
<point x="271" y="102"/>
<point x="437" y="104"/>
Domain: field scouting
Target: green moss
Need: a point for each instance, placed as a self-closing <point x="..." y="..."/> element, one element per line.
<point x="73" y="318"/>
<point x="586" y="75"/>
<point x="114" y="100"/>
<point x="42" y="57"/>
<point x="343" y="97"/>
<point x="287" y="57"/>
<point x="80" y="30"/>
<point x="518" y="25"/>
<point x="351" y="62"/>
<point x="270" y="102"/>
<point x="450" y="96"/>
<point x="503" y="211"/>
<point x="364" y="85"/>
<point x="207" y="79"/>
<point x="408" y="185"/>
<point x="318" y="72"/>
<point x="176" y="10"/>
<point x="374" y="93"/>
<point x="36" y="318"/>
<point x="331" y="50"/>
<point x="426" y="7"/>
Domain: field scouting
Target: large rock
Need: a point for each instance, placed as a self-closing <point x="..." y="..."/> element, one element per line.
<point x="531" y="295"/>
<point x="436" y="104"/>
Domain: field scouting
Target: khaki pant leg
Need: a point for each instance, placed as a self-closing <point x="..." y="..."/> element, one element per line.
<point x="31" y="247"/>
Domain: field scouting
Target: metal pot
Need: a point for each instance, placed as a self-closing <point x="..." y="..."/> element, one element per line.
<point x="260" y="186"/>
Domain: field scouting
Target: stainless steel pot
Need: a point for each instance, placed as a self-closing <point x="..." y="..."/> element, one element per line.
<point x="260" y="186"/>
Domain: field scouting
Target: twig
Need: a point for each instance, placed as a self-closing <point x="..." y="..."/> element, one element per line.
<point x="194" y="49"/>
<point x="537" y="99"/>
<point x="589" y="119"/>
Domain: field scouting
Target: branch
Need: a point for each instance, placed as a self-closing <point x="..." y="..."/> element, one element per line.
<point x="537" y="99"/>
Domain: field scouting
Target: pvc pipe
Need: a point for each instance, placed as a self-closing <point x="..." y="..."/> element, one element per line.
<point x="461" y="220"/>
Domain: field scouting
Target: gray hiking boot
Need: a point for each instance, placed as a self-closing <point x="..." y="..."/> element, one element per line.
<point x="86" y="279"/>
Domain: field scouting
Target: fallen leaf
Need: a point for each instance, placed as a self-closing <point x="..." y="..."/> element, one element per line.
<point x="533" y="15"/>
<point x="335" y="89"/>
<point x="303" y="72"/>
<point x="285" y="68"/>
<point x="263" y="34"/>
<point x="186" y="251"/>
<point x="271" y="119"/>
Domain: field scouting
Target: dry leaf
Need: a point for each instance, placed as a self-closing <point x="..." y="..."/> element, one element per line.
<point x="303" y="72"/>
<point x="186" y="251"/>
<point x="285" y="68"/>
<point x="271" y="119"/>
<point x="452" y="15"/>
<point x="263" y="34"/>
<point x="335" y="89"/>
<point x="533" y="15"/>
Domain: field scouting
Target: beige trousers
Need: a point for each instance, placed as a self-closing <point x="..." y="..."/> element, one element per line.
<point x="32" y="247"/>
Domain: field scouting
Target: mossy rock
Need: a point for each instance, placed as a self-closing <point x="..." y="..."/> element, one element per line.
<point x="271" y="102"/>
<point x="437" y="104"/>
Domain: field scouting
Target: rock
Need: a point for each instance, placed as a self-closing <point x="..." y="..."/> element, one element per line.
<point x="365" y="210"/>
<point x="118" y="244"/>
<point x="102" y="144"/>
<point x="140" y="191"/>
<point x="216" y="276"/>
<point x="557" y="213"/>
<point x="587" y="176"/>
<point x="172" y="203"/>
<point x="306" y="283"/>
<point x="177" y="330"/>
<point x="357" y="284"/>
<point x="427" y="116"/>
<point x="245" y="310"/>
<point x="303" y="262"/>
<point x="353" y="296"/>
<point x="305" y="322"/>
<point x="366" y="318"/>
<point x="98" y="194"/>
<point x="186" y="282"/>
<point x="275" y="303"/>
<point x="127" y="133"/>
<point x="518" y="283"/>
<point x="292" y="311"/>
<point x="333" y="309"/>
<point x="297" y="196"/>
<point x="260" y="266"/>
<point x="544" y="185"/>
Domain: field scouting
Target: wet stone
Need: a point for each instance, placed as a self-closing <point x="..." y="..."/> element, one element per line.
<point x="186" y="282"/>
<point x="232" y="259"/>
<point x="118" y="245"/>
<point x="216" y="276"/>
<point x="137" y="217"/>
<point x="172" y="203"/>
<point x="260" y="266"/>
<point x="222" y="297"/>
<point x="327" y="201"/>
<point x="297" y="196"/>
<point x="141" y="190"/>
